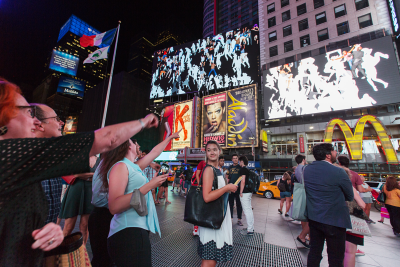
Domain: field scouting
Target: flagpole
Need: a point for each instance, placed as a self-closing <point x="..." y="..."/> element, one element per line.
<point x="109" y="81"/>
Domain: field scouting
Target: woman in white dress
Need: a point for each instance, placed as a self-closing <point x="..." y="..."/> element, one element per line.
<point x="215" y="245"/>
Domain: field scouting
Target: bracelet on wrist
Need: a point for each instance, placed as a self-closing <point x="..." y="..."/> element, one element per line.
<point x="143" y="126"/>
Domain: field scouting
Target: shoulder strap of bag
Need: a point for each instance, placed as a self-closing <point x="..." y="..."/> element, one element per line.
<point x="302" y="175"/>
<point x="215" y="184"/>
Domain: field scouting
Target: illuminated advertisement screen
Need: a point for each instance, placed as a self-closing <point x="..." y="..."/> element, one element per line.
<point x="231" y="118"/>
<point x="363" y="75"/>
<point x="229" y="59"/>
<point x="182" y="120"/>
<point x="63" y="62"/>
<point x="70" y="86"/>
<point x="71" y="125"/>
<point x="167" y="156"/>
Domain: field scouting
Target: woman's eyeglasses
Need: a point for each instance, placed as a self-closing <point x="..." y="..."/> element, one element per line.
<point x="31" y="110"/>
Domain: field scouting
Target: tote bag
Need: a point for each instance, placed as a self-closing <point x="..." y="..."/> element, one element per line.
<point x="200" y="213"/>
<point x="359" y="226"/>
<point x="298" y="208"/>
<point x="71" y="253"/>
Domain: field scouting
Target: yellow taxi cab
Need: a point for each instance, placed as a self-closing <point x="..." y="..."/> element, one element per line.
<point x="269" y="189"/>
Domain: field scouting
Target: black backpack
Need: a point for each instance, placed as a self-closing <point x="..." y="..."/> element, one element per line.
<point x="282" y="186"/>
<point x="253" y="182"/>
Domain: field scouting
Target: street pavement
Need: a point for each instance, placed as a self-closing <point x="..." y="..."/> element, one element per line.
<point x="274" y="243"/>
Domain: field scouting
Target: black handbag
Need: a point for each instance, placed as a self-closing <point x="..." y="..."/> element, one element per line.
<point x="381" y="197"/>
<point x="200" y="213"/>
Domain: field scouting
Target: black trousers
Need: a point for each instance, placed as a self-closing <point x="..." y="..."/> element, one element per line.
<point x="394" y="213"/>
<point x="130" y="247"/>
<point x="232" y="197"/>
<point x="335" y="241"/>
<point x="99" y="227"/>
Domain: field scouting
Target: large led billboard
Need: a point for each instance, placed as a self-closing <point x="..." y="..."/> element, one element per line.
<point x="63" y="62"/>
<point x="229" y="59"/>
<point x="363" y="75"/>
<point x="70" y="86"/>
<point x="231" y="118"/>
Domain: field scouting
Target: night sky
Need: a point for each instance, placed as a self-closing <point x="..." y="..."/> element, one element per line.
<point x="29" y="29"/>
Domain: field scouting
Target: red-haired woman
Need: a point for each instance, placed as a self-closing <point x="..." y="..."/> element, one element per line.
<point x="25" y="161"/>
<point x="392" y="203"/>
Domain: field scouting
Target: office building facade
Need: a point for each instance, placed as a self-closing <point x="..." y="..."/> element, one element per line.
<point x="291" y="30"/>
<point x="225" y="15"/>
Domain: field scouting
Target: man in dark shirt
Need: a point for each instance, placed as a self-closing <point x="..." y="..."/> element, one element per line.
<point x="246" y="194"/>
<point x="177" y="180"/>
<point x="232" y="175"/>
<point x="188" y="173"/>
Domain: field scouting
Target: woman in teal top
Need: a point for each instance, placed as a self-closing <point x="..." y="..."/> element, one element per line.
<point x="128" y="241"/>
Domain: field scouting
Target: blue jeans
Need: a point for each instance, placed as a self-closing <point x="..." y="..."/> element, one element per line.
<point x="213" y="70"/>
<point x="285" y="194"/>
<point x="236" y="45"/>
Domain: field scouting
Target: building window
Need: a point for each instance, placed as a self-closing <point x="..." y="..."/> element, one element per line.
<point x="320" y="18"/>
<point x="303" y="25"/>
<point x="255" y="4"/>
<point x="255" y="12"/>
<point x="272" y="36"/>
<point x="273" y="51"/>
<point x="318" y="3"/>
<point x="234" y="6"/>
<point x="301" y="9"/>
<point x="246" y="17"/>
<point x="340" y="11"/>
<point x="305" y="40"/>
<point x="323" y="35"/>
<point x="208" y="23"/>
<point x="271" y="8"/>
<point x="209" y="29"/>
<point x="234" y="15"/>
<point x="343" y="28"/>
<point x="365" y="21"/>
<point x="284" y="3"/>
<point x="223" y="12"/>
<point x="235" y="22"/>
<point x="245" y="9"/>
<point x="224" y="5"/>
<point x="209" y="9"/>
<point x="210" y="15"/>
<point x="287" y="30"/>
<point x="271" y="22"/>
<point x="360" y="4"/>
<point x="224" y="28"/>
<point x="288" y="46"/>
<point x="223" y="20"/>
<point x="285" y="16"/>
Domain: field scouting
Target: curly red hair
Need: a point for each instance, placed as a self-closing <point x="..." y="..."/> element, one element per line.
<point x="8" y="94"/>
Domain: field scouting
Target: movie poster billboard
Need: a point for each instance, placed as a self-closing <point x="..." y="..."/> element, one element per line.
<point x="242" y="126"/>
<point x="230" y="118"/>
<point x="183" y="116"/>
<point x="359" y="76"/>
<point x="214" y="119"/>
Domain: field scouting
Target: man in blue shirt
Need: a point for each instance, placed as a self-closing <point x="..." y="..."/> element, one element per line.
<point x="327" y="189"/>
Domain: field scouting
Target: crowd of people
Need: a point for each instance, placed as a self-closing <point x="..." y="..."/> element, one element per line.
<point x="35" y="156"/>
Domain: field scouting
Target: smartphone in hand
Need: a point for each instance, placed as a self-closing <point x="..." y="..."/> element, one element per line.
<point x="164" y="169"/>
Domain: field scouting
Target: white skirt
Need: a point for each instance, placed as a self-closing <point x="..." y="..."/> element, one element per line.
<point x="217" y="244"/>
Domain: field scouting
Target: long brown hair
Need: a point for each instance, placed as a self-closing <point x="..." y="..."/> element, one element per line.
<point x="108" y="159"/>
<point x="391" y="183"/>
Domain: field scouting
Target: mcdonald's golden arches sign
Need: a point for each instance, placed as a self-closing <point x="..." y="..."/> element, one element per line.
<point x="354" y="141"/>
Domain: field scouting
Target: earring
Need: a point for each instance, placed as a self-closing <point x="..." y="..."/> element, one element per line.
<point x="3" y="130"/>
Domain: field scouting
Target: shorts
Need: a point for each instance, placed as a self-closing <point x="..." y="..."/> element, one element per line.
<point x="367" y="200"/>
<point x="285" y="194"/>
<point x="177" y="181"/>
<point x="357" y="240"/>
<point x="165" y="184"/>
<point x="187" y="185"/>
